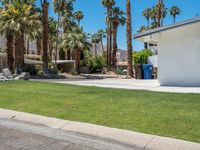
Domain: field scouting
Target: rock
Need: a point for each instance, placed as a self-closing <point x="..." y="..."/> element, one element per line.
<point x="7" y="73"/>
<point x="125" y="77"/>
<point x="3" y="78"/>
<point x="23" y="76"/>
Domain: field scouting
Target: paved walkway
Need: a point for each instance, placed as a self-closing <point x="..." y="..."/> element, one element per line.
<point x="150" y="85"/>
<point x="20" y="131"/>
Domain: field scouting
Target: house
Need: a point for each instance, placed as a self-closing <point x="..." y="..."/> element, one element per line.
<point x="178" y="48"/>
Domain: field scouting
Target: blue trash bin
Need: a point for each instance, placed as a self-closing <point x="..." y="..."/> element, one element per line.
<point x="148" y="71"/>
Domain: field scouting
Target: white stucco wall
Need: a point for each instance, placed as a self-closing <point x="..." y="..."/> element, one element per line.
<point x="179" y="56"/>
<point x="153" y="60"/>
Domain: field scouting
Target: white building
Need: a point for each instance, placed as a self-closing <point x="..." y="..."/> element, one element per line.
<point x="178" y="52"/>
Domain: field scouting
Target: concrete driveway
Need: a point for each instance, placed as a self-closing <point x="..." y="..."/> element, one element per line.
<point x="131" y="84"/>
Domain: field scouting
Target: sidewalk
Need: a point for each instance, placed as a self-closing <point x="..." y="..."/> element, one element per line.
<point x="143" y="141"/>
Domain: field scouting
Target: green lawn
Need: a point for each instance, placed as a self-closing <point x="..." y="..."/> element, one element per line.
<point x="166" y="114"/>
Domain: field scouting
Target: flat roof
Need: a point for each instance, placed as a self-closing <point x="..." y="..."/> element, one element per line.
<point x="168" y="27"/>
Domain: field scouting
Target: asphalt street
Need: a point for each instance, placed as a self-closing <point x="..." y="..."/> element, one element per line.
<point x="17" y="135"/>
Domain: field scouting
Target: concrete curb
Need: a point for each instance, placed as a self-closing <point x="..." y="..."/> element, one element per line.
<point x="144" y="141"/>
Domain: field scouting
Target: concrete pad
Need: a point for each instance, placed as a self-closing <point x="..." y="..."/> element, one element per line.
<point x="124" y="136"/>
<point x="163" y="143"/>
<point x="27" y="117"/>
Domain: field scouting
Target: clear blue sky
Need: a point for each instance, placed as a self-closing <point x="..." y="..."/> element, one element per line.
<point x="95" y="15"/>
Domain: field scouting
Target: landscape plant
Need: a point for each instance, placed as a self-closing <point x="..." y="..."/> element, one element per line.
<point x="141" y="57"/>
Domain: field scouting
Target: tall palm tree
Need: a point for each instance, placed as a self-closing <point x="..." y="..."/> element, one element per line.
<point x="147" y="14"/>
<point x="174" y="11"/>
<point x="129" y="38"/>
<point x="64" y="9"/>
<point x="16" y="17"/>
<point x="76" y="41"/>
<point x="52" y="35"/>
<point x="117" y="19"/>
<point x="161" y="12"/>
<point x="109" y="4"/>
<point x="78" y="16"/>
<point x="10" y="40"/>
<point x="45" y="7"/>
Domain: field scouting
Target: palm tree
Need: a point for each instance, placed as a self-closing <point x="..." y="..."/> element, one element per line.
<point x="17" y="19"/>
<point x="147" y="14"/>
<point x="174" y="11"/>
<point x="10" y="41"/>
<point x="95" y="39"/>
<point x="142" y="29"/>
<point x="64" y="9"/>
<point x="102" y="34"/>
<point x="45" y="7"/>
<point x="117" y="19"/>
<point x="154" y="13"/>
<point x="52" y="35"/>
<point x="129" y="38"/>
<point x="109" y="4"/>
<point x="159" y="13"/>
<point x="76" y="41"/>
<point x="78" y="16"/>
<point x="158" y="19"/>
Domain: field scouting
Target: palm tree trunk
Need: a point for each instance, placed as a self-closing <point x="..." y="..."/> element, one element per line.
<point x="114" y="47"/>
<point x="45" y="36"/>
<point x="79" y="23"/>
<point x="159" y="13"/>
<point x="129" y="38"/>
<point x="95" y="48"/>
<point x="110" y="52"/>
<point x="174" y="19"/>
<point x="102" y="47"/>
<point x="39" y="46"/>
<point x="77" y="60"/>
<point x="23" y="42"/>
<point x="50" y="50"/>
<point x="108" y="46"/>
<point x="68" y="54"/>
<point x="19" y="55"/>
<point x="58" y="25"/>
<point x="10" y="52"/>
<point x="109" y="40"/>
<point x="28" y="47"/>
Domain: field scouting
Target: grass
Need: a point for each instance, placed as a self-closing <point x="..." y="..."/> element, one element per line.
<point x="165" y="114"/>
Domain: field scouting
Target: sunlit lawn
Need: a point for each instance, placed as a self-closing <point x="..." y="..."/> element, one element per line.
<point x="166" y="114"/>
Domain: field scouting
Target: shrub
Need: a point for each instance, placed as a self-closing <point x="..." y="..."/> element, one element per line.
<point x="141" y="57"/>
<point x="96" y="62"/>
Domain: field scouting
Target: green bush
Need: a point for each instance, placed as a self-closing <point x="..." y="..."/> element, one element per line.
<point x="142" y="56"/>
<point x="96" y="62"/>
